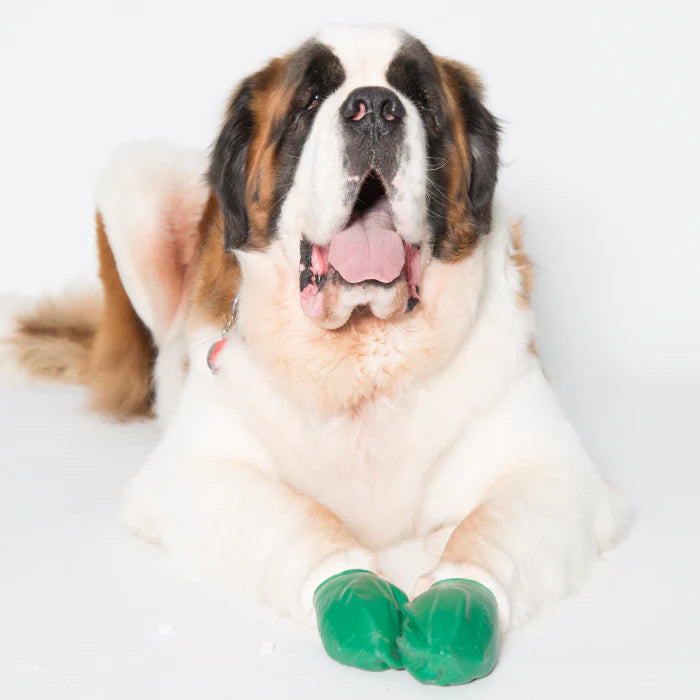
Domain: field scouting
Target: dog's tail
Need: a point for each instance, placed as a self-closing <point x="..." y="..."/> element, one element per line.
<point x="83" y="337"/>
<point x="51" y="339"/>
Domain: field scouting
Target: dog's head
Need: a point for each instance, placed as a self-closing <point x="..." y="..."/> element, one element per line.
<point x="365" y="156"/>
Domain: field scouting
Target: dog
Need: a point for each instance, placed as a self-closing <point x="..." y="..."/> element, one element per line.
<point x="331" y="318"/>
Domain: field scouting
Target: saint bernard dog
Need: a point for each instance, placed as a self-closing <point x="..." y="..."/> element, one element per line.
<point x="330" y="315"/>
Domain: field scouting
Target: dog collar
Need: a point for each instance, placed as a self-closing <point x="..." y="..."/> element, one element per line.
<point x="218" y="346"/>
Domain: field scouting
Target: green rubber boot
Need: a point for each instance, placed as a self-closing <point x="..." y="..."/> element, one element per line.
<point x="450" y="633"/>
<point x="359" y="619"/>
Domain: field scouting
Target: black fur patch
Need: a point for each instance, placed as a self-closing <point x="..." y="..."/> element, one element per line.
<point x="483" y="133"/>
<point x="227" y="167"/>
<point x="413" y="72"/>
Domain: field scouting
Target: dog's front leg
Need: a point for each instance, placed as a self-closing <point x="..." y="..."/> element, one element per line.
<point x="534" y="538"/>
<point x="223" y="518"/>
<point x="527" y="541"/>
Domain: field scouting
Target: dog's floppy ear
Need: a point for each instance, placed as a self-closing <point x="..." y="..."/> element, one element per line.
<point x="228" y="166"/>
<point x="482" y="132"/>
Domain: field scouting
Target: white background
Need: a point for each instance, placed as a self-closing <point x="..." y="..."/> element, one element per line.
<point x="601" y="113"/>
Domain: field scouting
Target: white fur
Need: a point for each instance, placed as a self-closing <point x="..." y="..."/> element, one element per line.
<point x="153" y="195"/>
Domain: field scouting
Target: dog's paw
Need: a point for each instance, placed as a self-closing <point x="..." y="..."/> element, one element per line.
<point x="450" y="633"/>
<point x="471" y="572"/>
<point x="359" y="620"/>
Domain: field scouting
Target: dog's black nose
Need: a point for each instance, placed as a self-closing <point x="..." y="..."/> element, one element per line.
<point x="373" y="108"/>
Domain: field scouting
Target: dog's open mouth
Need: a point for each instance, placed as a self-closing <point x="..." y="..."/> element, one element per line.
<point x="367" y="254"/>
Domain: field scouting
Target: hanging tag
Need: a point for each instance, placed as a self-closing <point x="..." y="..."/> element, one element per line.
<point x="213" y="353"/>
<point x="218" y="346"/>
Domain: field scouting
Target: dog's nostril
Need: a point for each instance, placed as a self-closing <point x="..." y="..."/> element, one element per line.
<point x="361" y="111"/>
<point x="392" y="109"/>
<point x="355" y="107"/>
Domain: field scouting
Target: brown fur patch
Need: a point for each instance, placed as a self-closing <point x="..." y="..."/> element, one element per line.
<point x="270" y="104"/>
<point x="526" y="272"/>
<point x="523" y="265"/>
<point x="461" y="236"/>
<point x="465" y="542"/>
<point x="328" y="525"/>
<point x="217" y="274"/>
<point x="121" y="363"/>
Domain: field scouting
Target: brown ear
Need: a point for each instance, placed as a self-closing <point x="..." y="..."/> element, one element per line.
<point x="242" y="145"/>
<point x="476" y="134"/>
<point x="255" y="155"/>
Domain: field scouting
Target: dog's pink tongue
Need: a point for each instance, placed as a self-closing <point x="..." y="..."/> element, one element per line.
<point x="368" y="249"/>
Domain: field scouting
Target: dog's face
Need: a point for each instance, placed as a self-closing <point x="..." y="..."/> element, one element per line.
<point x="365" y="156"/>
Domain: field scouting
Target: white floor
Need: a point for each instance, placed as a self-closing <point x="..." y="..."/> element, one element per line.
<point x="88" y="612"/>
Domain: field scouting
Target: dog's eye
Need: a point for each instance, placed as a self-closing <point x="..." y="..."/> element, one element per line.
<point x="313" y="101"/>
<point x="421" y="101"/>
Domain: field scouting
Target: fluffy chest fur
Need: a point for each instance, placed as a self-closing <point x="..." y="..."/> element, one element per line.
<point x="345" y="370"/>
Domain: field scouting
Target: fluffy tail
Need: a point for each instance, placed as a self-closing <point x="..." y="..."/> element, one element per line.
<point x="83" y="338"/>
<point x="54" y="339"/>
